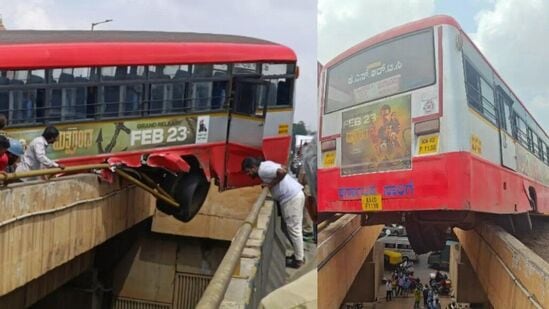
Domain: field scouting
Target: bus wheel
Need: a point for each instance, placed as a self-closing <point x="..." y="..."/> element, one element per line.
<point x="167" y="184"/>
<point x="190" y="192"/>
<point x="425" y="238"/>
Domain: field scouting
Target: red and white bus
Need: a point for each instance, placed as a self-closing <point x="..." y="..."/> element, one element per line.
<point x="417" y="127"/>
<point x="182" y="108"/>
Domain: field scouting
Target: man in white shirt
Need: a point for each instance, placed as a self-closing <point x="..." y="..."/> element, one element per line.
<point x="35" y="156"/>
<point x="289" y="194"/>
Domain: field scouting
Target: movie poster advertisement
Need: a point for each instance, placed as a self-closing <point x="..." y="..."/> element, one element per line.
<point x="377" y="137"/>
<point x="86" y="139"/>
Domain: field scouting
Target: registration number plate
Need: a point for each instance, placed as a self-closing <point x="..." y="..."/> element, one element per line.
<point x="372" y="202"/>
<point x="329" y="159"/>
<point x="428" y="144"/>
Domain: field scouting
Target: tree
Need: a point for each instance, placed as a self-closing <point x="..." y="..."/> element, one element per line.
<point x="299" y="128"/>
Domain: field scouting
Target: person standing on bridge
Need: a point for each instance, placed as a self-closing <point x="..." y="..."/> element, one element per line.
<point x="35" y="156"/>
<point x="289" y="194"/>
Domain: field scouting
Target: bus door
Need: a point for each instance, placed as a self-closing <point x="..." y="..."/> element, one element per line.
<point x="245" y="127"/>
<point x="507" y="143"/>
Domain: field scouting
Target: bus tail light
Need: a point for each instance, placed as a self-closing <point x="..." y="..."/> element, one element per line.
<point x="427" y="127"/>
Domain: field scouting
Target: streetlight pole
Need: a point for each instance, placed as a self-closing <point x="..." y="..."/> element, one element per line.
<point x="100" y="22"/>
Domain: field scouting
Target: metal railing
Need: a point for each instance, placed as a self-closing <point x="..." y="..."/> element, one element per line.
<point x="213" y="296"/>
<point x="152" y="188"/>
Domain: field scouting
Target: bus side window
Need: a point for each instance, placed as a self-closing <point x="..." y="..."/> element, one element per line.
<point x="219" y="94"/>
<point x="283" y="93"/>
<point x="201" y="95"/>
<point x="472" y="86"/>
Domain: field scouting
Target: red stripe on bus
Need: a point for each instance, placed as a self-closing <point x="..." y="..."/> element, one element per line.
<point x="124" y="53"/>
<point x="451" y="181"/>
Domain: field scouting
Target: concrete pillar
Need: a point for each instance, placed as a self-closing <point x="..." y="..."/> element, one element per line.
<point x="366" y="284"/>
<point x="467" y="287"/>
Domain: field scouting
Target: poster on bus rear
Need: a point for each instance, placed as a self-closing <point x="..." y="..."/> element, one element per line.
<point x="377" y="137"/>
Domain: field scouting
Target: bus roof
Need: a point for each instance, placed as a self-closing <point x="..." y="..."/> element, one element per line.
<point x="415" y="26"/>
<point x="394" y="32"/>
<point x="29" y="48"/>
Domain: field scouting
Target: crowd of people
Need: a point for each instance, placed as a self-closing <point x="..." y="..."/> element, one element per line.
<point x="17" y="157"/>
<point x="403" y="283"/>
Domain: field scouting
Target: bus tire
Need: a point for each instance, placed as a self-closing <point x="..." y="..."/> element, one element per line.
<point x="424" y="237"/>
<point x="167" y="184"/>
<point x="190" y="192"/>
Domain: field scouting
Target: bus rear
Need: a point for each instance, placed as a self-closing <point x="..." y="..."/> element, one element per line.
<point x="386" y="146"/>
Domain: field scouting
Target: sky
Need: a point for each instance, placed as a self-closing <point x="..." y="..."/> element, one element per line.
<point x="288" y="22"/>
<point x="512" y="34"/>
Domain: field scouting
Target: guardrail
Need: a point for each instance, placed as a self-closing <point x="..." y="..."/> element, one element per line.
<point x="214" y="293"/>
<point x="157" y="192"/>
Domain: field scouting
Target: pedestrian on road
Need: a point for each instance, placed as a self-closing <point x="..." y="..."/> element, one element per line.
<point x="388" y="290"/>
<point x="289" y="194"/>
<point x="425" y="295"/>
<point x="394" y="286"/>
<point x="417" y="298"/>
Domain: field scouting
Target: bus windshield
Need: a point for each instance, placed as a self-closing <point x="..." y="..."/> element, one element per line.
<point x="392" y="67"/>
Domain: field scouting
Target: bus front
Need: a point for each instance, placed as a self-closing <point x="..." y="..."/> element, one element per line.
<point x="380" y="134"/>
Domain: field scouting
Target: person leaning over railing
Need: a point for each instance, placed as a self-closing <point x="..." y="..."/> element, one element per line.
<point x="289" y="194"/>
<point x="35" y="157"/>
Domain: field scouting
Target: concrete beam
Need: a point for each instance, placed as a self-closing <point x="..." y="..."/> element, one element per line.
<point x="342" y="250"/>
<point x="46" y="224"/>
<point x="219" y="218"/>
<point x="512" y="275"/>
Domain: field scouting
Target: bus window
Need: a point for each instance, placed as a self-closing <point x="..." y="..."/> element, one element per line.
<point x="382" y="70"/>
<point x="268" y="69"/>
<point x="167" y="98"/>
<point x="507" y="117"/>
<point x="132" y="98"/>
<point x="245" y="68"/>
<point x="66" y="103"/>
<point x="244" y="99"/>
<point x="166" y="72"/>
<point x="159" y="96"/>
<point x="18" y="105"/>
<point x="201" y="95"/>
<point x="488" y="107"/>
<point x="472" y="83"/>
<point x="202" y="70"/>
<point x="122" y="73"/>
<point x="529" y="139"/>
<point x="219" y="92"/>
<point x="71" y="75"/>
<point x="179" y="102"/>
<point x="280" y="90"/>
<point x="541" y="149"/>
<point x="521" y="132"/>
<point x="110" y="100"/>
<point x="37" y="77"/>
<point x="5" y="103"/>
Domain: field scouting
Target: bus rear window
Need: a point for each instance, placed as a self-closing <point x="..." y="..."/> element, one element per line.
<point x="392" y="67"/>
